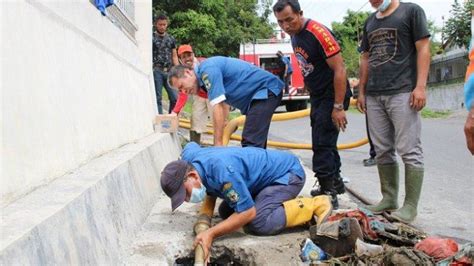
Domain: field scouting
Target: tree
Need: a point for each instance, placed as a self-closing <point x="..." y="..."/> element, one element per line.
<point x="351" y="55"/>
<point x="348" y="34"/>
<point x="458" y="26"/>
<point x="351" y="26"/>
<point x="216" y="26"/>
<point x="435" y="46"/>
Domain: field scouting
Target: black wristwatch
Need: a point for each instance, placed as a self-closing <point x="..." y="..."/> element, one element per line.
<point x="339" y="106"/>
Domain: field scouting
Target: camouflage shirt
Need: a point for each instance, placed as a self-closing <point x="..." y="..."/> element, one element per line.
<point x="163" y="51"/>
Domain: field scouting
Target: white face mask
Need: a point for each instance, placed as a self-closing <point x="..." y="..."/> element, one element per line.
<point x="382" y="7"/>
<point x="198" y="194"/>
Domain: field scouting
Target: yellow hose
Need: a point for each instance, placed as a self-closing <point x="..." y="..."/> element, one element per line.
<point x="234" y="124"/>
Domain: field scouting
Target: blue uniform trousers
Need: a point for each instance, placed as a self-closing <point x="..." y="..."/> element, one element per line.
<point x="271" y="217"/>
<point x="258" y="119"/>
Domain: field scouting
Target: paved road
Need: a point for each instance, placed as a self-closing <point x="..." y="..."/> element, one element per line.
<point x="447" y="199"/>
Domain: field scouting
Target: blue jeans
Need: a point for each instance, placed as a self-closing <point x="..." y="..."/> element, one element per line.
<point x="271" y="217"/>
<point x="161" y="79"/>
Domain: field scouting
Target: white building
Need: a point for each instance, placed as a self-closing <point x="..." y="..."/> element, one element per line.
<point x="74" y="85"/>
<point x="80" y="160"/>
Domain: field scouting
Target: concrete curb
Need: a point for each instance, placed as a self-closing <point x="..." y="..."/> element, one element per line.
<point x="90" y="215"/>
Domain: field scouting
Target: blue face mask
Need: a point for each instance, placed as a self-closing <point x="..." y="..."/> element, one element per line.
<point x="198" y="194"/>
<point x="382" y="7"/>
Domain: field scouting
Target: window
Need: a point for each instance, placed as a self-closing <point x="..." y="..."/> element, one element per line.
<point x="122" y="14"/>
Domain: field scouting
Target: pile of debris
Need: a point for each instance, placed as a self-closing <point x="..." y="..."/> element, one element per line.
<point x="358" y="237"/>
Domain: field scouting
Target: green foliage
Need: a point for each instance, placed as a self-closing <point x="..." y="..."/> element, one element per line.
<point x="186" y="24"/>
<point x="216" y="27"/>
<point x="351" y="26"/>
<point x="458" y="27"/>
<point x="435" y="46"/>
<point x="348" y="34"/>
<point x="351" y="56"/>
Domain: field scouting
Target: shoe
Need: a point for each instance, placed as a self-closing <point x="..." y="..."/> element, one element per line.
<point x="369" y="162"/>
<point x="339" y="187"/>
<point x="326" y="187"/>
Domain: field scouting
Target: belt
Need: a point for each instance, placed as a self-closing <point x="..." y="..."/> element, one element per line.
<point x="164" y="69"/>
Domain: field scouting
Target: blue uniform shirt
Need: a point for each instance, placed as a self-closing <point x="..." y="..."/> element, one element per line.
<point x="237" y="174"/>
<point x="236" y="82"/>
<point x="469" y="85"/>
<point x="287" y="62"/>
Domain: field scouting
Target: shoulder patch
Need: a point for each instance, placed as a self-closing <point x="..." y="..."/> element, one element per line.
<point x="205" y="80"/>
<point x="226" y="186"/>
<point x="232" y="195"/>
<point x="325" y="38"/>
<point x="229" y="193"/>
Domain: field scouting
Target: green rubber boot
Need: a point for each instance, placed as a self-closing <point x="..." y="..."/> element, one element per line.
<point x="413" y="183"/>
<point x="388" y="174"/>
<point x="194" y="136"/>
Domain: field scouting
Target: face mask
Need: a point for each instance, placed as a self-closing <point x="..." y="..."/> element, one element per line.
<point x="198" y="194"/>
<point x="382" y="7"/>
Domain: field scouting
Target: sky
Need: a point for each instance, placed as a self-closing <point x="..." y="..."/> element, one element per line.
<point x="327" y="11"/>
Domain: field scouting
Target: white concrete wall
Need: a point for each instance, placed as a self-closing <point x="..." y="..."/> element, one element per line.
<point x="74" y="86"/>
<point x="445" y="97"/>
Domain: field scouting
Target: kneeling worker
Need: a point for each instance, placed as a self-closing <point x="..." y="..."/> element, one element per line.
<point x="258" y="188"/>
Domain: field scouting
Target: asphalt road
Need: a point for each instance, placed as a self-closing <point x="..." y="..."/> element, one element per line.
<point x="447" y="200"/>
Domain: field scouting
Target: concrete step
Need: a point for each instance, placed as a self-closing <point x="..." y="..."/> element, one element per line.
<point x="90" y="215"/>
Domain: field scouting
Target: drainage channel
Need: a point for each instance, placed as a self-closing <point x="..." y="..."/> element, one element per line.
<point x="222" y="257"/>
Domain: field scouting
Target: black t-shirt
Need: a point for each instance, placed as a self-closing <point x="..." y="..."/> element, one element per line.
<point x="312" y="46"/>
<point x="390" y="42"/>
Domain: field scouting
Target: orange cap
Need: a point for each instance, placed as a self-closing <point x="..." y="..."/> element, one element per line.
<point x="184" y="48"/>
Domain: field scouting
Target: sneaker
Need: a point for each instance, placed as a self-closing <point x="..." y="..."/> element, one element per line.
<point x="369" y="162"/>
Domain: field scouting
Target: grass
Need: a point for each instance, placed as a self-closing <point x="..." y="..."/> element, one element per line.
<point x="425" y="113"/>
<point x="353" y="109"/>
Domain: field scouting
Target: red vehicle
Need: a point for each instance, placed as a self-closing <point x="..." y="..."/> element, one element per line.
<point x="262" y="53"/>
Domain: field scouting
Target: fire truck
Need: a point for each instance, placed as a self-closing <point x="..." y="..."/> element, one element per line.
<point x="262" y="53"/>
